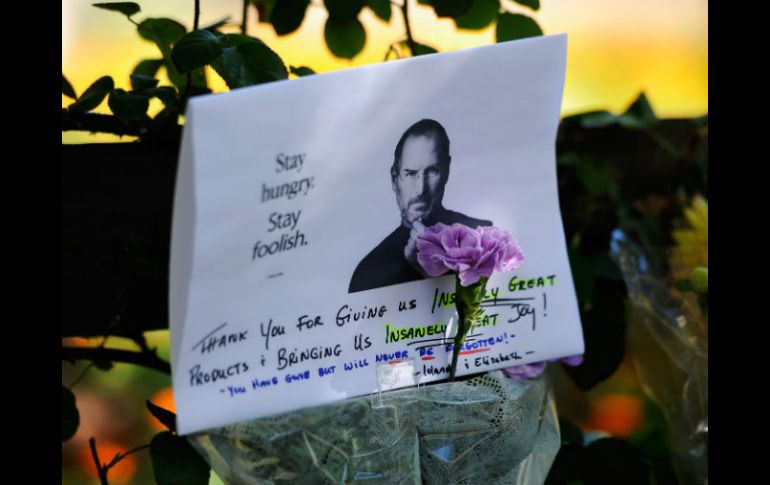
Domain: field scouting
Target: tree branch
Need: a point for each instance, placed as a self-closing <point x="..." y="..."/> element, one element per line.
<point x="94" y="122"/>
<point x="103" y="469"/>
<point x="147" y="359"/>
<point x="409" y="39"/>
<point x="120" y="456"/>
<point x="197" y="14"/>
<point x="245" y="16"/>
<point x="392" y="49"/>
<point x="99" y="469"/>
<point x="81" y="376"/>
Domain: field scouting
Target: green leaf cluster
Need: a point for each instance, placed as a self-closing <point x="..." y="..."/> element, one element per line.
<point x="70" y="417"/>
<point x="174" y="460"/>
<point x="240" y="60"/>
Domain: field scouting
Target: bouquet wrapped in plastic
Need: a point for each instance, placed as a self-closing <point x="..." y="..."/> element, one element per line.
<point x="488" y="429"/>
<point x="668" y="338"/>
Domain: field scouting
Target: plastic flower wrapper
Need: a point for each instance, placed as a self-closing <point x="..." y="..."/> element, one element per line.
<point x="668" y="337"/>
<point x="472" y="255"/>
<point x="488" y="429"/>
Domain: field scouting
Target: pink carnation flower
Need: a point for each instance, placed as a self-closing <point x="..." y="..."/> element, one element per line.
<point x="471" y="253"/>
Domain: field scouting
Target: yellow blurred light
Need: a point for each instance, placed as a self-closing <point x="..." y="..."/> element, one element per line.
<point x="616" y="49"/>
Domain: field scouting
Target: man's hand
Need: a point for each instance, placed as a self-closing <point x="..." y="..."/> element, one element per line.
<point x="410" y="250"/>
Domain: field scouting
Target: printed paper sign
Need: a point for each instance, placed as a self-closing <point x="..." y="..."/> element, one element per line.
<point x="292" y="270"/>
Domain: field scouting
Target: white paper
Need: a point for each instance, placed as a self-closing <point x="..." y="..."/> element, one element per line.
<point x="500" y="108"/>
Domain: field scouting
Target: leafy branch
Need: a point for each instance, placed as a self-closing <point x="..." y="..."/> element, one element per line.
<point x="146" y="358"/>
<point x="94" y="122"/>
<point x="102" y="468"/>
<point x="242" y="60"/>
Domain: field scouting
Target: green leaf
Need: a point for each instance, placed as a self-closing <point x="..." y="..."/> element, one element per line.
<point x="512" y="26"/>
<point x="651" y="440"/>
<point x="604" y="332"/>
<point x="639" y="115"/>
<point x="234" y="40"/>
<point x="195" y="50"/>
<point x="215" y="26"/>
<point x="569" y="432"/>
<point x="148" y="67"/>
<point x="167" y="95"/>
<point x="344" y="10"/>
<point x="287" y="15"/>
<point x="248" y="61"/>
<point x="597" y="119"/>
<point x="264" y="9"/>
<point x="175" y="461"/>
<point x="66" y="88"/>
<point x="301" y="71"/>
<point x="140" y="82"/>
<point x="568" y="159"/>
<point x="70" y="418"/>
<point x="381" y="8"/>
<point x="612" y="460"/>
<point x="479" y="16"/>
<point x="422" y="49"/>
<point x="566" y="466"/>
<point x="701" y="121"/>
<point x="166" y="417"/>
<point x="582" y="275"/>
<point x="93" y="96"/>
<point x="196" y="90"/>
<point x="165" y="32"/>
<point x="104" y="365"/>
<point x="451" y="8"/>
<point x="683" y="285"/>
<point x="597" y="178"/>
<point x="163" y="29"/>
<point x="344" y="39"/>
<point x="126" y="8"/>
<point x="533" y="4"/>
<point x="700" y="280"/>
<point x="129" y="107"/>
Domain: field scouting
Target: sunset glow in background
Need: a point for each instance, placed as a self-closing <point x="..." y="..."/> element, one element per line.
<point x="616" y="49"/>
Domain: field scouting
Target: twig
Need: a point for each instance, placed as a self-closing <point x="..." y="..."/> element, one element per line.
<point x="140" y="341"/>
<point x="81" y="376"/>
<point x="120" y="456"/>
<point x="245" y="16"/>
<point x="391" y="48"/>
<point x="409" y="39"/>
<point x="147" y="359"/>
<point x="104" y="469"/>
<point x="186" y="94"/>
<point x="99" y="469"/>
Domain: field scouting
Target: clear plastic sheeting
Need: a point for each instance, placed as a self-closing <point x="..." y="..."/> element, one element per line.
<point x="668" y="337"/>
<point x="489" y="429"/>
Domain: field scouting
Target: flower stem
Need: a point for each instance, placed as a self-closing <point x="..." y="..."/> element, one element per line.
<point x="468" y="304"/>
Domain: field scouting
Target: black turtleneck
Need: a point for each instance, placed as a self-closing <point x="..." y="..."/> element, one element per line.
<point x="386" y="265"/>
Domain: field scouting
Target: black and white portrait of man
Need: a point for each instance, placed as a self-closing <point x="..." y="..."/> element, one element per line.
<point x="419" y="176"/>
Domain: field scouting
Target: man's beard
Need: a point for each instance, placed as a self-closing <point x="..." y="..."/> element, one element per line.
<point x="427" y="212"/>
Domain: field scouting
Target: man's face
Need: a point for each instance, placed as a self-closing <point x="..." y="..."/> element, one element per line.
<point x="419" y="184"/>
